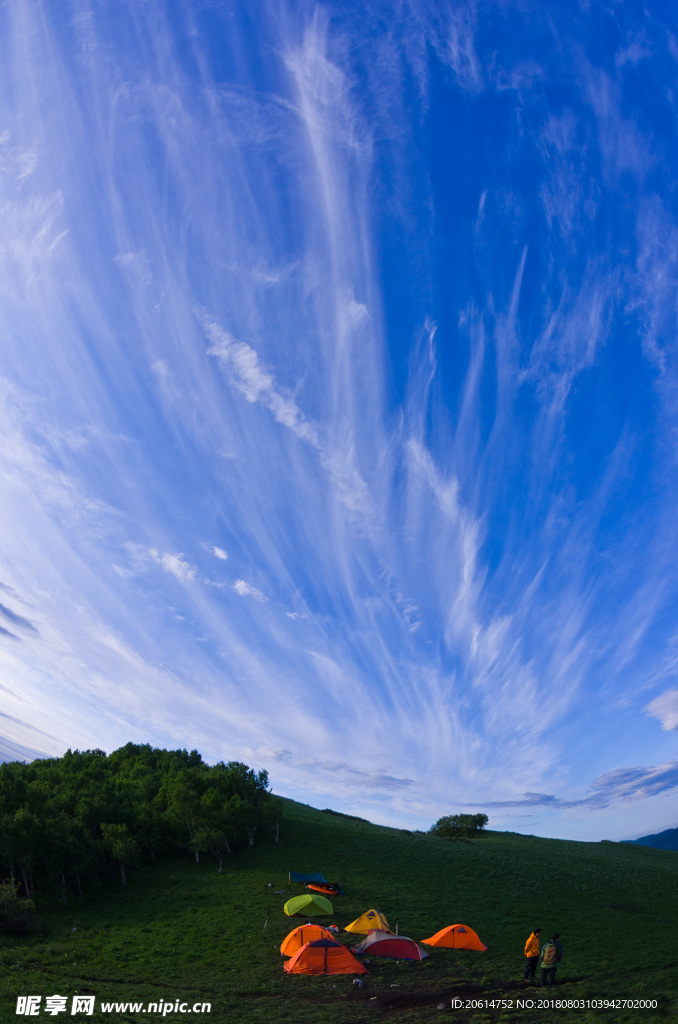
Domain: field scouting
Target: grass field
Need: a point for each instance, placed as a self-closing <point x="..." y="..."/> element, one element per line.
<point x="182" y="931"/>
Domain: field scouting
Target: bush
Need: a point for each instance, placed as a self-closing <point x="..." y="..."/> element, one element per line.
<point x="15" y="913"/>
<point x="454" y="826"/>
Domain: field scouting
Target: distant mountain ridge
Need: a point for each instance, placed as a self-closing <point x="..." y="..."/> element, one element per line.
<point x="666" y="840"/>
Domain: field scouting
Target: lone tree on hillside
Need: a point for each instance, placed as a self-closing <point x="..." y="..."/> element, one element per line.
<point x="454" y="826"/>
<point x="122" y="845"/>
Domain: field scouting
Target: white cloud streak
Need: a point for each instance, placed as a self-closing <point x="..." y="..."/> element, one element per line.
<point x="174" y="565"/>
<point x="665" y="708"/>
<point x="247" y="590"/>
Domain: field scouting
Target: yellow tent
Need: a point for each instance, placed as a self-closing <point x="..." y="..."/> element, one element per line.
<point x="367" y="922"/>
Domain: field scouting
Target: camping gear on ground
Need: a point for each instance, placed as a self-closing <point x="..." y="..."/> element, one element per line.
<point x="301" y="935"/>
<point x="318" y="879"/>
<point x="329" y="890"/>
<point x="324" y="956"/>
<point x="309" y="906"/>
<point x="367" y="922"/>
<point x="456" y="936"/>
<point x="386" y="944"/>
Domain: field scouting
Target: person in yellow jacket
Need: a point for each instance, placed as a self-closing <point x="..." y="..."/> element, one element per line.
<point x="532" y="954"/>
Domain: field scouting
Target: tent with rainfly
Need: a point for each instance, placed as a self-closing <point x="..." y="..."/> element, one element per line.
<point x="456" y="936"/>
<point x="386" y="944"/>
<point x="324" y="956"/>
<point x="367" y="922"/>
<point x="298" y="876"/>
<point x="301" y="935"/>
<point x="309" y="905"/>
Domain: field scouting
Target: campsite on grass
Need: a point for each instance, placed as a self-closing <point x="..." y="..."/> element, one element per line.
<point x="182" y="930"/>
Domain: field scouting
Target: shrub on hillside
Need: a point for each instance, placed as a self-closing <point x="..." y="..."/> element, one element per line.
<point x="16" y="913"/>
<point x="456" y="826"/>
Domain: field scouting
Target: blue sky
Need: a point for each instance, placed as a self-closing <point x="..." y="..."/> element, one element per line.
<point x="339" y="396"/>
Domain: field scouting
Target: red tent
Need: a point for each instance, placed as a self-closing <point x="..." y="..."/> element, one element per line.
<point x="397" y="947"/>
<point x="324" y="956"/>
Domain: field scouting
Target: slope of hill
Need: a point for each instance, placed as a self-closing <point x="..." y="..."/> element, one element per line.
<point x="666" y="840"/>
<point x="181" y="933"/>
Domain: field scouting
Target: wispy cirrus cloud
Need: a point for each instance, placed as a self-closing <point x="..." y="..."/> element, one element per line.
<point x="349" y="774"/>
<point x="619" y="785"/>
<point x="16" y="620"/>
<point x="253" y="381"/>
<point x="435" y="422"/>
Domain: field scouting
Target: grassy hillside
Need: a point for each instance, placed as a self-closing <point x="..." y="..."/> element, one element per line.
<point x="182" y="931"/>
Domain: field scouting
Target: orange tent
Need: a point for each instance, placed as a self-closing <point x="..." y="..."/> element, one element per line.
<point x="324" y="956"/>
<point x="456" y="936"/>
<point x="301" y="935"/>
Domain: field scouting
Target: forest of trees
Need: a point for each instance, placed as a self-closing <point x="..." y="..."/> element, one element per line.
<point x="64" y="821"/>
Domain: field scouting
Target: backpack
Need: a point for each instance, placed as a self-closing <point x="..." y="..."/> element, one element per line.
<point x="550" y="955"/>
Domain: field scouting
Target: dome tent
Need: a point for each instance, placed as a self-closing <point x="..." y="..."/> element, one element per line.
<point x="301" y="935"/>
<point x="386" y="944"/>
<point x="324" y="956"/>
<point x="368" y="921"/>
<point x="309" y="906"/>
<point x="456" y="936"/>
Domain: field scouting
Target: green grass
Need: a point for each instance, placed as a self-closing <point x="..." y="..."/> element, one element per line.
<point x="182" y="931"/>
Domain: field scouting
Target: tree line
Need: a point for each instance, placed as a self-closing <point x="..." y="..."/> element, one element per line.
<point x="64" y="820"/>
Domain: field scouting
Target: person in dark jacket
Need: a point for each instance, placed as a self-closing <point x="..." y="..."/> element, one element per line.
<point x="532" y="954"/>
<point x="551" y="955"/>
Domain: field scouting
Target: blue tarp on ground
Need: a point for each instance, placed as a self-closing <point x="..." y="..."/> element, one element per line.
<point x="295" y="876"/>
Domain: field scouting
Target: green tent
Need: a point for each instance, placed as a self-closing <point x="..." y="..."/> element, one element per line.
<point x="309" y="906"/>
